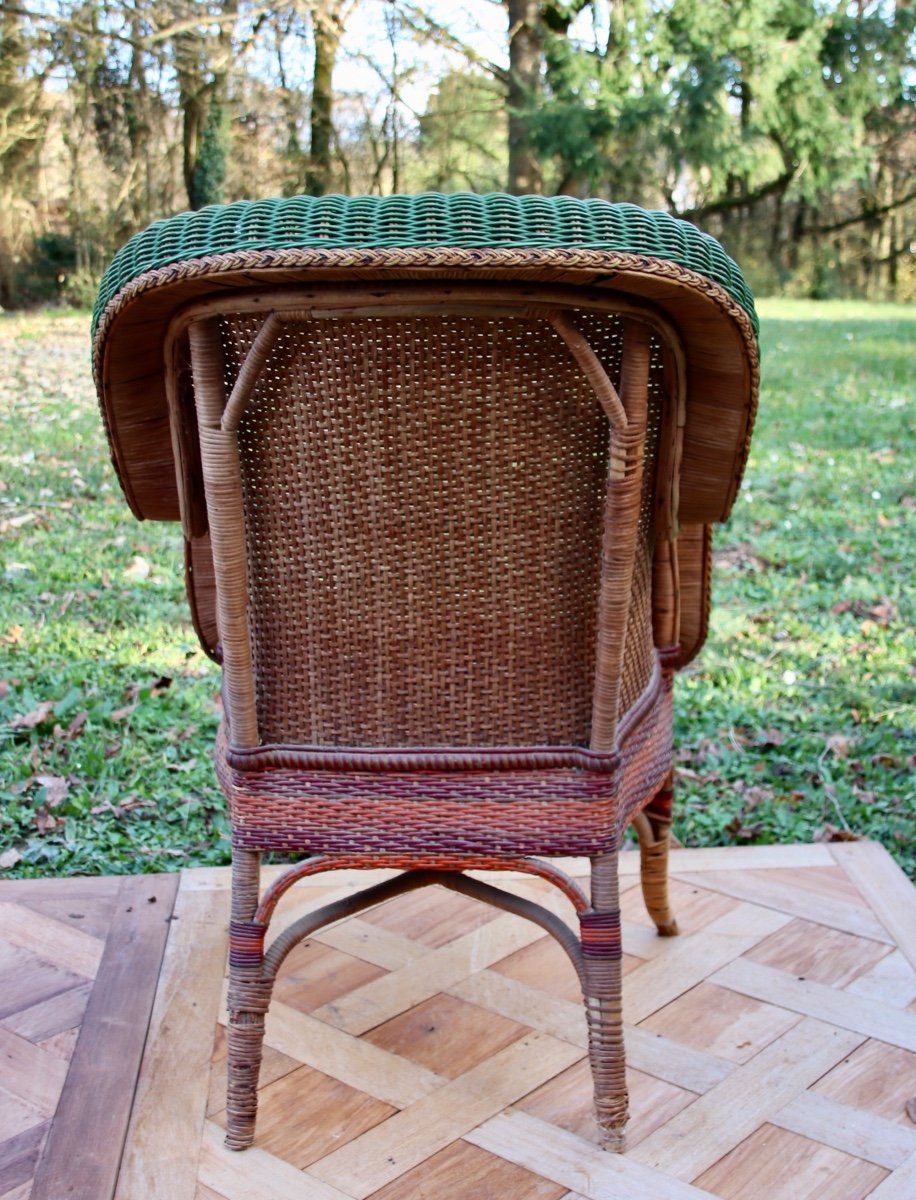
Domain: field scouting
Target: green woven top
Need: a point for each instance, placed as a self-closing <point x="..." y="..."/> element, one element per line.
<point x="462" y="219"/>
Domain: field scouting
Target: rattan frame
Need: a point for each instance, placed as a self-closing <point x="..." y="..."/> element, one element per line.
<point x="633" y="749"/>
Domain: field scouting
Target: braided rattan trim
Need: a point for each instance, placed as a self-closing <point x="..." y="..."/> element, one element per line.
<point x="428" y="257"/>
<point x="509" y="758"/>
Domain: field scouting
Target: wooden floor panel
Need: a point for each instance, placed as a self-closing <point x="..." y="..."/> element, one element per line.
<point x="434" y="1047"/>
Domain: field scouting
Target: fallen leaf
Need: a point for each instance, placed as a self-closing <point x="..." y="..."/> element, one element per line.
<point x="838" y="745"/>
<point x="64" y="735"/>
<point x="770" y="737"/>
<point x="138" y="569"/>
<point x="830" y="833"/>
<point x="44" y="822"/>
<point x="883" y="612"/>
<point x="885" y="760"/>
<point x="119" y="714"/>
<point x="9" y="858"/>
<point x="13" y="635"/>
<point x="35" y="717"/>
<point x="686" y="773"/>
<point x="118" y="810"/>
<point x="56" y="788"/>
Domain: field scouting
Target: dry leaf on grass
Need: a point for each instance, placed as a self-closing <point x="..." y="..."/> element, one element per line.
<point x="35" y="717"/>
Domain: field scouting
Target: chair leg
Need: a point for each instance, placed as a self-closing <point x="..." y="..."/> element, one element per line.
<point x="249" y="997"/>
<point x="653" y="828"/>
<point x="601" y="951"/>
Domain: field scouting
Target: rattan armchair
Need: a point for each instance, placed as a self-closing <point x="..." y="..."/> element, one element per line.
<point x="446" y="468"/>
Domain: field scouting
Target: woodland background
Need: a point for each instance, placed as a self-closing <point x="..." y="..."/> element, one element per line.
<point x="786" y="128"/>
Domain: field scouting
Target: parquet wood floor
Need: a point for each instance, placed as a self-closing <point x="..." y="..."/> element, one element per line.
<point x="435" y="1048"/>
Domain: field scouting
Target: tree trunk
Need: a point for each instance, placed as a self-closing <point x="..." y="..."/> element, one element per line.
<point x="524" y="86"/>
<point x="327" y="30"/>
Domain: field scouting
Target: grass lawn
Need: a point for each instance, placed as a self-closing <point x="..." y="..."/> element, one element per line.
<point x="795" y="723"/>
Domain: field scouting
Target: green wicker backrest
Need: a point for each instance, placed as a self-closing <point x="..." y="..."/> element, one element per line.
<point x="466" y="220"/>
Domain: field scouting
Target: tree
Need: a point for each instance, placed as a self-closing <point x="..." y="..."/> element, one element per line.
<point x="327" y="29"/>
<point x="23" y="128"/>
<point x="463" y="134"/>
<point x="523" y="93"/>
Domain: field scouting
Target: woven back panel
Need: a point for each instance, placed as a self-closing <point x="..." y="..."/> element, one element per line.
<point x="424" y="503"/>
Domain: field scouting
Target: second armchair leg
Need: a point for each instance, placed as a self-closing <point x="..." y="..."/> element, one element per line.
<point x="653" y="828"/>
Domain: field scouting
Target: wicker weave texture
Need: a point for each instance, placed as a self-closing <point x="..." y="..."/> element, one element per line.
<point x="461" y="220"/>
<point x="424" y="507"/>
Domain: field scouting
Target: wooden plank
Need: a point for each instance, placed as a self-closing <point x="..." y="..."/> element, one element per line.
<point x="465" y="1172"/>
<point x="877" y="1078"/>
<point x="446" y="1034"/>
<point x="18" y="1155"/>
<point x="83" y="1150"/>
<point x="890" y="895"/>
<point x="567" y="1101"/>
<point x="66" y="947"/>
<point x="252" y="1175"/>
<point x="892" y="981"/>
<point x="899" y="1185"/>
<point x="720" y="1023"/>
<point x="674" y="1062"/>
<point x="49" y="1017"/>
<point x="419" y="1131"/>
<point x="19" y="1193"/>
<point x="774" y="893"/>
<point x="745" y="858"/>
<point x="812" y="999"/>
<point x="687" y="961"/>
<point x="163" y="1142"/>
<point x="700" y="1135"/>
<point x="827" y="956"/>
<point x="862" y="1134"/>
<point x="82" y="888"/>
<point x="30" y="1073"/>
<point x="432" y="916"/>
<point x="314" y="974"/>
<point x="774" y="1164"/>
<point x="88" y="911"/>
<point x="358" y="1063"/>
<point x="575" y="1163"/>
<point x="305" y="1115"/>
<point x="16" y="1117"/>
<point x="384" y="998"/>
<point x="372" y="944"/>
<point x="652" y="1053"/>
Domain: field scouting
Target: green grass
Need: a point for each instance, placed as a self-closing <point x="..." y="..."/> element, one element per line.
<point x="795" y="723"/>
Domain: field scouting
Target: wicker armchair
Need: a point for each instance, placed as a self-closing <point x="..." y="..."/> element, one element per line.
<point x="445" y="468"/>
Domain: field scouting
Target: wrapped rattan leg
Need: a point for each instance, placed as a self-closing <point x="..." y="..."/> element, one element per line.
<point x="601" y="951"/>
<point x="653" y="827"/>
<point x="249" y="997"/>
